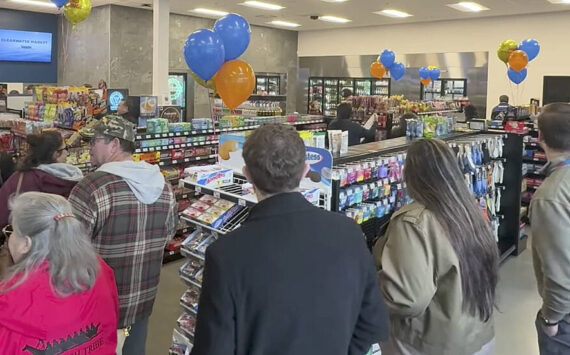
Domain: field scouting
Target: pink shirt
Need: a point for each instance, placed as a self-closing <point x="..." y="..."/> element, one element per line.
<point x="34" y="320"/>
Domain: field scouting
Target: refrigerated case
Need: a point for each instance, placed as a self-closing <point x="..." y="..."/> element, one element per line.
<point x="444" y="89"/>
<point x="326" y="93"/>
<point x="267" y="85"/>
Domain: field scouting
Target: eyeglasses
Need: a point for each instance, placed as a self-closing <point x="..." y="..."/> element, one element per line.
<point x="7" y="231"/>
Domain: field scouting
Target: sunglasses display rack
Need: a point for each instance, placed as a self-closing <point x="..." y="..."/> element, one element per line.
<point x="368" y="184"/>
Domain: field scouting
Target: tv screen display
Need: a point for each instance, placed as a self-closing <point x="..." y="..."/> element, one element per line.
<point x="25" y="46"/>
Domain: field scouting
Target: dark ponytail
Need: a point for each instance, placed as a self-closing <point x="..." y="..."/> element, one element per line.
<point x="41" y="148"/>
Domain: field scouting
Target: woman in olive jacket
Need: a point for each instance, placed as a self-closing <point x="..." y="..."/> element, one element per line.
<point x="439" y="262"/>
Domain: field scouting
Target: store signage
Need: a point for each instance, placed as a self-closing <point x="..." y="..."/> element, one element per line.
<point x="25" y="46"/>
<point x="115" y="99"/>
<point x="320" y="169"/>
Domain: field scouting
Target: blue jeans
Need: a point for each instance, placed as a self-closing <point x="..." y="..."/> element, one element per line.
<point x="135" y="342"/>
<point x="556" y="345"/>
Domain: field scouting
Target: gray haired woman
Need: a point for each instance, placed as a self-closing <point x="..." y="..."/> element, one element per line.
<point x="59" y="295"/>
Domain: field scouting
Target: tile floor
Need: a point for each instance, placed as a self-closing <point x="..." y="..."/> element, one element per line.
<point x="518" y="303"/>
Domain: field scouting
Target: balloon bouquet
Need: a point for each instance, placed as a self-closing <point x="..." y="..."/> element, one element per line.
<point x="74" y="11"/>
<point x="386" y="62"/>
<point x="212" y="56"/>
<point x="517" y="57"/>
<point x="427" y="74"/>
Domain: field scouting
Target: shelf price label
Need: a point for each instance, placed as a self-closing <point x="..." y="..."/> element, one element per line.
<point x="198" y="189"/>
<point x="241" y="202"/>
<point x="216" y="194"/>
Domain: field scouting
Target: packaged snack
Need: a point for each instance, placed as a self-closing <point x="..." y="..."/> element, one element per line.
<point x="200" y="206"/>
<point x="210" y="200"/>
<point x="224" y="205"/>
<point x="206" y="218"/>
<point x="201" y="249"/>
<point x="215" y="211"/>
<point x="210" y="175"/>
<point x="191" y="212"/>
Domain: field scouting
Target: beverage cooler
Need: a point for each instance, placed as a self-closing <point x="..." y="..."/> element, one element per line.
<point x="267" y="85"/>
<point x="444" y="89"/>
<point x="326" y="93"/>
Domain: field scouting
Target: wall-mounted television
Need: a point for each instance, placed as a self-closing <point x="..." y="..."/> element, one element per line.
<point x="25" y="46"/>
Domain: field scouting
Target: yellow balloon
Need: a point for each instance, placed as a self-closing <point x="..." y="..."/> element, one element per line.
<point x="76" y="11"/>
<point x="203" y="83"/>
<point x="431" y="67"/>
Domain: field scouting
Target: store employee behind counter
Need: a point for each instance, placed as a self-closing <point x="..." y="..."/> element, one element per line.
<point x="355" y="131"/>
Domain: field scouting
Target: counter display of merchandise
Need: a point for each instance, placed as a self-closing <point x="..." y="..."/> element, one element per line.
<point x="368" y="184"/>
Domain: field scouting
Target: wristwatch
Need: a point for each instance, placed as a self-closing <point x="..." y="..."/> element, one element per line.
<point x="546" y="321"/>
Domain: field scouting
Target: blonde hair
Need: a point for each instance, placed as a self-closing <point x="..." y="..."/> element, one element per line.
<point x="63" y="242"/>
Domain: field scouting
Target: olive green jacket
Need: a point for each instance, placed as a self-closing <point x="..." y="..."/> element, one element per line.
<point x="550" y="222"/>
<point x="421" y="284"/>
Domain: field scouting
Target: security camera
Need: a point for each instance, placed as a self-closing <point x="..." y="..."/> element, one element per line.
<point x="314" y="17"/>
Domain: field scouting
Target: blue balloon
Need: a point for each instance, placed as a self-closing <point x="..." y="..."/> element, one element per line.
<point x="530" y="47"/>
<point x="60" y="3"/>
<point x="434" y="74"/>
<point x="235" y="33"/>
<point x="424" y="73"/>
<point x="515" y="76"/>
<point x="387" y="58"/>
<point x="204" y="53"/>
<point x="397" y="71"/>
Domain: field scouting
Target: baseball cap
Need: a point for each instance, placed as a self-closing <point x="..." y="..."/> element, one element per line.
<point x="111" y="126"/>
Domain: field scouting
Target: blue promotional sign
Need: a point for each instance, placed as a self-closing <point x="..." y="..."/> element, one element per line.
<point x="25" y="46"/>
<point x="320" y="169"/>
<point x="115" y="98"/>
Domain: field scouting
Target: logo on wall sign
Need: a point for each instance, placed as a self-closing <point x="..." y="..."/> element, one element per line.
<point x="115" y="99"/>
<point x="313" y="158"/>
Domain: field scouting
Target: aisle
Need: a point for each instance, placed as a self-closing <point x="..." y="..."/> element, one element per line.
<point x="515" y="333"/>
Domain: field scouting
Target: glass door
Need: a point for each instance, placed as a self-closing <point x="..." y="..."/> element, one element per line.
<point x="315" y="96"/>
<point x="273" y="85"/>
<point x="381" y="87"/>
<point x="331" y="97"/>
<point x="363" y="87"/>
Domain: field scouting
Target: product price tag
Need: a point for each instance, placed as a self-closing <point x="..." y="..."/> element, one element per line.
<point x="170" y="147"/>
<point x="145" y="150"/>
<point x="174" y="161"/>
<point x="171" y="134"/>
<point x="139" y="137"/>
<point x="216" y="194"/>
<point x="198" y="189"/>
<point x="241" y="202"/>
<point x="177" y="146"/>
<point x="215" y="235"/>
<point x="157" y="136"/>
<point x="399" y="186"/>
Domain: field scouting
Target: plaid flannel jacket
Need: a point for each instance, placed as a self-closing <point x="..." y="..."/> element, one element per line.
<point x="129" y="235"/>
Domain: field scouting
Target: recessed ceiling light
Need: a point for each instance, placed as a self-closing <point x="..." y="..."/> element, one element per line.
<point x="209" y="12"/>
<point x="284" y="23"/>
<point x="468" y="6"/>
<point x="334" y="19"/>
<point x="566" y="2"/>
<point x="393" y="13"/>
<point x="263" y="5"/>
<point x="35" y="3"/>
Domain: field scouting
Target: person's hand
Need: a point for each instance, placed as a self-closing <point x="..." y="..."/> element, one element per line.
<point x="550" y="330"/>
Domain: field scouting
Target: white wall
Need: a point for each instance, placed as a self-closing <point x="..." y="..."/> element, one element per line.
<point x="550" y="30"/>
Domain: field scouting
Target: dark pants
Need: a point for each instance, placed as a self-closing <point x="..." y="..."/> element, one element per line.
<point x="558" y="344"/>
<point x="135" y="342"/>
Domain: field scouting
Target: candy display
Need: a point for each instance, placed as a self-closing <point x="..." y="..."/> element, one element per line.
<point x="212" y="211"/>
<point x="187" y="323"/>
<point x="429" y="127"/>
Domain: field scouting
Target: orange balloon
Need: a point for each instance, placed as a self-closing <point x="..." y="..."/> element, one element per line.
<point x="377" y="70"/>
<point x="518" y="60"/>
<point x="425" y="82"/>
<point x="235" y="82"/>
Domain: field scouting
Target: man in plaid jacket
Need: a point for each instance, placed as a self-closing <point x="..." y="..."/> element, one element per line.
<point x="130" y="212"/>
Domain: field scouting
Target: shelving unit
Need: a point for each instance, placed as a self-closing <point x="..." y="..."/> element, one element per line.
<point x="509" y="241"/>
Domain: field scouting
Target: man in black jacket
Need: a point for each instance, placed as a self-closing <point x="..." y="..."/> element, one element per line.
<point x="293" y="279"/>
<point x="355" y="131"/>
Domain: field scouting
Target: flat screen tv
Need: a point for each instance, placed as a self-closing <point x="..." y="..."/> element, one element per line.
<point x="25" y="46"/>
<point x="556" y="89"/>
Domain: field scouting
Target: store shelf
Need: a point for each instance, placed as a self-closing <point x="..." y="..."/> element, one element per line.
<point x="188" y="281"/>
<point x="231" y="225"/>
<point x="534" y="160"/>
<point x="190" y="254"/>
<point x="171" y="255"/>
<point x="436" y="112"/>
<point x="229" y="192"/>
<point x="174" y="146"/>
<point x="165" y="162"/>
<point x="188" y="309"/>
<point x="506" y="249"/>
<point x="173" y="134"/>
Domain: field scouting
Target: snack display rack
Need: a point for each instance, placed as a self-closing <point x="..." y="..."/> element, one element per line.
<point x="387" y="194"/>
<point x="534" y="161"/>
